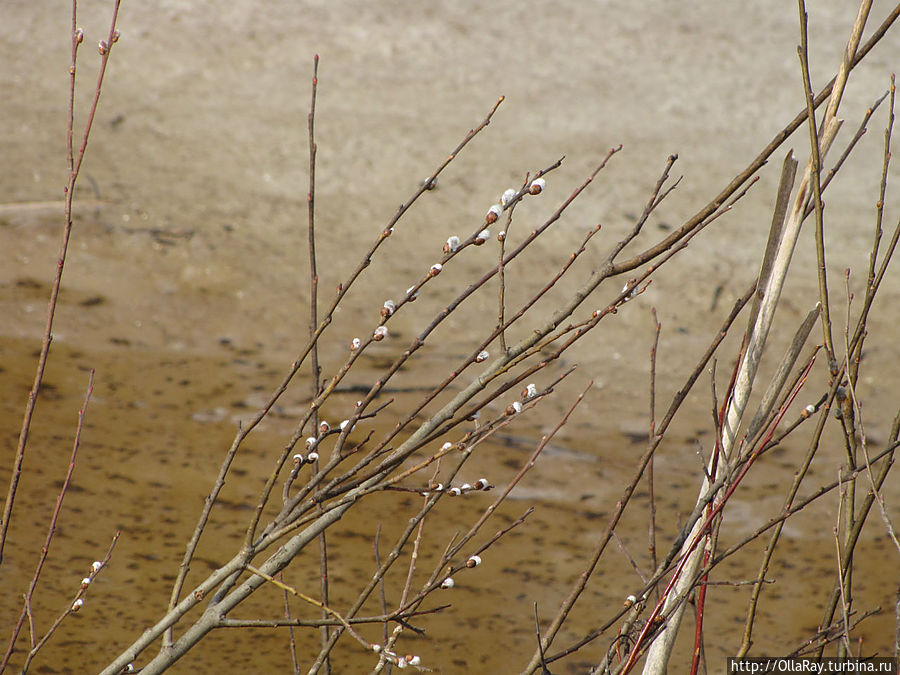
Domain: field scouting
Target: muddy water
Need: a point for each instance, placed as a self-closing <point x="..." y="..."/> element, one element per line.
<point x="159" y="422"/>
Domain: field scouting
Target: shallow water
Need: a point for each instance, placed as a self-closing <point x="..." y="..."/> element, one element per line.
<point x="149" y="452"/>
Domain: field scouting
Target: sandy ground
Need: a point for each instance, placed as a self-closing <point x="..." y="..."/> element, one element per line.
<point x="186" y="281"/>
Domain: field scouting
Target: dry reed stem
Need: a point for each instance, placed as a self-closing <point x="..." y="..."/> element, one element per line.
<point x="580" y="584"/>
<point x="688" y="573"/>
<point x="659" y="652"/>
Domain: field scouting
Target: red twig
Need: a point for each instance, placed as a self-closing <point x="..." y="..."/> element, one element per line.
<point x="51" y="530"/>
<point x="74" y="168"/>
<point x="75" y="604"/>
<point x="651" y="623"/>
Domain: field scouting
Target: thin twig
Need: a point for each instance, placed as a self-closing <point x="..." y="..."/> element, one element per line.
<point x="651" y="497"/>
<point x="74" y="169"/>
<point x="313" y="322"/>
<point x="51" y="530"/>
<point x="74" y="605"/>
<point x="292" y="643"/>
<point x="815" y="166"/>
<point x="885" y="164"/>
<point x="381" y="592"/>
<point x="879" y="215"/>
<point x="501" y="273"/>
<point x="327" y="610"/>
<point x="843" y="575"/>
<point x="326" y="321"/>
<point x="580" y="584"/>
<point x="316" y="623"/>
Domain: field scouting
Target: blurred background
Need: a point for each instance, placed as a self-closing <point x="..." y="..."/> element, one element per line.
<point x="187" y="279"/>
